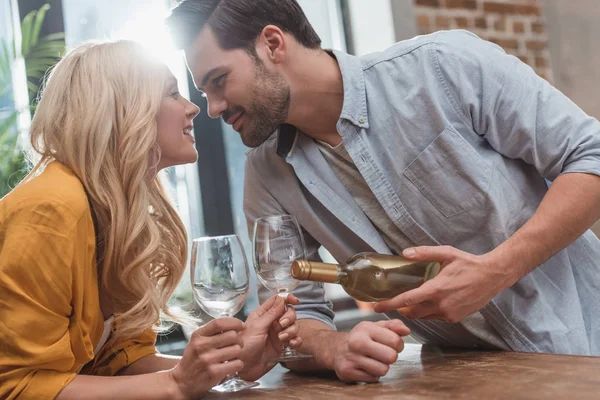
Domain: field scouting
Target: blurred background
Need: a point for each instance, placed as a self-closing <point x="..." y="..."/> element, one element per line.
<point x="555" y="37"/>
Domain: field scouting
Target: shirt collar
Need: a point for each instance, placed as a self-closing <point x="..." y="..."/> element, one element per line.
<point x="355" y="94"/>
<point x="354" y="108"/>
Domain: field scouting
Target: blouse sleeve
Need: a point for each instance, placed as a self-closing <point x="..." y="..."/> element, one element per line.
<point x="114" y="357"/>
<point x="37" y="248"/>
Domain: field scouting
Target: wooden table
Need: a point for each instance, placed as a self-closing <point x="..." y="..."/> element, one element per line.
<point x="424" y="372"/>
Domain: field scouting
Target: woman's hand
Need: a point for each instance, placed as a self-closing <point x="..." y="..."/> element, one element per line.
<point x="212" y="353"/>
<point x="268" y="329"/>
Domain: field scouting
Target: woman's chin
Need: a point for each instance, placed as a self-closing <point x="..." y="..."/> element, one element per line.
<point x="187" y="159"/>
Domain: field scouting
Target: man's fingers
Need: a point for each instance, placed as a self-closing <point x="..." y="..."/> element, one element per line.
<point x="357" y="375"/>
<point x="396" y="326"/>
<point x="427" y="292"/>
<point x="431" y="253"/>
<point x="410" y="298"/>
<point x="382" y="353"/>
<point x="434" y="317"/>
<point x="405" y="310"/>
<point x="421" y="311"/>
<point x="371" y="366"/>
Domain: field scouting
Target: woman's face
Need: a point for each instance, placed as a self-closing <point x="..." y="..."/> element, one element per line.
<point x="175" y="122"/>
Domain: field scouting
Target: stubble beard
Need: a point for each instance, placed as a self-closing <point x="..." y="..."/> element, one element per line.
<point x="270" y="106"/>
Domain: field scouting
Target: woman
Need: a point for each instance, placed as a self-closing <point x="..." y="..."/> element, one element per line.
<point x="91" y="249"/>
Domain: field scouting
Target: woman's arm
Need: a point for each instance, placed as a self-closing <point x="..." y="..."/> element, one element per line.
<point x="150" y="363"/>
<point x="159" y="385"/>
<point x="212" y="354"/>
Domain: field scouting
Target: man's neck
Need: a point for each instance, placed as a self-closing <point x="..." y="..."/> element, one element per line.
<point x="317" y="97"/>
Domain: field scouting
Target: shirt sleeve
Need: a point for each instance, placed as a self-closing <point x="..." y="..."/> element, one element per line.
<point x="112" y="358"/>
<point x="258" y="202"/>
<point x="520" y="114"/>
<point x="36" y="252"/>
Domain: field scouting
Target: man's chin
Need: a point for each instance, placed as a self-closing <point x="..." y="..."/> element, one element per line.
<point x="251" y="140"/>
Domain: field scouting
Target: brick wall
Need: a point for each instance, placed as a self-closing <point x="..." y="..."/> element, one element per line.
<point x="516" y="25"/>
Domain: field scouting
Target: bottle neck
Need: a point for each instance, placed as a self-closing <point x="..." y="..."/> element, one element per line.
<point x="316" y="271"/>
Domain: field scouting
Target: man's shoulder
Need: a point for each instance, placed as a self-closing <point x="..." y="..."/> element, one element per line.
<point x="398" y="49"/>
<point x="454" y="38"/>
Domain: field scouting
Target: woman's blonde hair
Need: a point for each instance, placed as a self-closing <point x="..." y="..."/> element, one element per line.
<point x="97" y="116"/>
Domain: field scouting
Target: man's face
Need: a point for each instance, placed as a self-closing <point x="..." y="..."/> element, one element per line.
<point x="239" y="88"/>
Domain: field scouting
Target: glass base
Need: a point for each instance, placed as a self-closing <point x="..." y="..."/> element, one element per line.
<point x="290" y="354"/>
<point x="233" y="384"/>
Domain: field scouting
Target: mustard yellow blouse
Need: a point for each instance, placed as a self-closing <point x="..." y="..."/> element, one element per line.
<point x="50" y="317"/>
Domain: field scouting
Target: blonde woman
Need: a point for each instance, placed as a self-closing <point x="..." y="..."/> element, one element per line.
<point x="91" y="249"/>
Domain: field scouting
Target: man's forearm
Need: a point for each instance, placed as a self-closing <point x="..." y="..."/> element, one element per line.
<point x="569" y="208"/>
<point x="320" y="341"/>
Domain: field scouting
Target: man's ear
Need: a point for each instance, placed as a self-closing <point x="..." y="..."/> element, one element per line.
<point x="273" y="44"/>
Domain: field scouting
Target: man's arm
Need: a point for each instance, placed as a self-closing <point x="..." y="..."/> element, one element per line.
<point x="523" y="117"/>
<point x="362" y="355"/>
<point x="569" y="208"/>
<point x="320" y="341"/>
<point x="468" y="282"/>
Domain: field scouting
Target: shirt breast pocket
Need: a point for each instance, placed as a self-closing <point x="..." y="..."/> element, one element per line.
<point x="451" y="174"/>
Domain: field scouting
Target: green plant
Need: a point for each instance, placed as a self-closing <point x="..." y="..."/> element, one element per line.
<point x="38" y="54"/>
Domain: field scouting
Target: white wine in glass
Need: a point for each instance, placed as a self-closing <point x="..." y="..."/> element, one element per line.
<point x="219" y="276"/>
<point x="276" y="243"/>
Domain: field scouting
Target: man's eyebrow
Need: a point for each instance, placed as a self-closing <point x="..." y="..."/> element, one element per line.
<point x="207" y="77"/>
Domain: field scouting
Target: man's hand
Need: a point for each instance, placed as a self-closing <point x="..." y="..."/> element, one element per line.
<point x="366" y="353"/>
<point x="268" y="329"/>
<point x="465" y="285"/>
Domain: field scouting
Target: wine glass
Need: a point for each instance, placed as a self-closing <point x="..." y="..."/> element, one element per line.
<point x="277" y="243"/>
<point x="219" y="276"/>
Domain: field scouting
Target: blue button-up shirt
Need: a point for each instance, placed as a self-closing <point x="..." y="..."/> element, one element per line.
<point x="458" y="142"/>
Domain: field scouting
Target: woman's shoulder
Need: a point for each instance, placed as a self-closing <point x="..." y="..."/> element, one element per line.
<point x="56" y="196"/>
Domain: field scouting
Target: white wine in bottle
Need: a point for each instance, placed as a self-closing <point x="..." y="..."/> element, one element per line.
<point x="369" y="276"/>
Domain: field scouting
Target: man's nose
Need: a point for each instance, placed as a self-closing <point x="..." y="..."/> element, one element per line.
<point x="216" y="106"/>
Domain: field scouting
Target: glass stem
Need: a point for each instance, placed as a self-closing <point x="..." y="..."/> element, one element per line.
<point x="234" y="375"/>
<point x="283" y="293"/>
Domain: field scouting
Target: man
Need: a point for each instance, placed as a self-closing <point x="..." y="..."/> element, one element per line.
<point x="439" y="148"/>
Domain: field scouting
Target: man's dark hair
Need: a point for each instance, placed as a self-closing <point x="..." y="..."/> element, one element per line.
<point x="237" y="23"/>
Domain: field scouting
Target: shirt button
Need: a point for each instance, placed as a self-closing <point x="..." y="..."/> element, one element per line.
<point x="362" y="120"/>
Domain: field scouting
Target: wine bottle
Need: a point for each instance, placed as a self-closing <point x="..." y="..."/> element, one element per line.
<point x="369" y="276"/>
